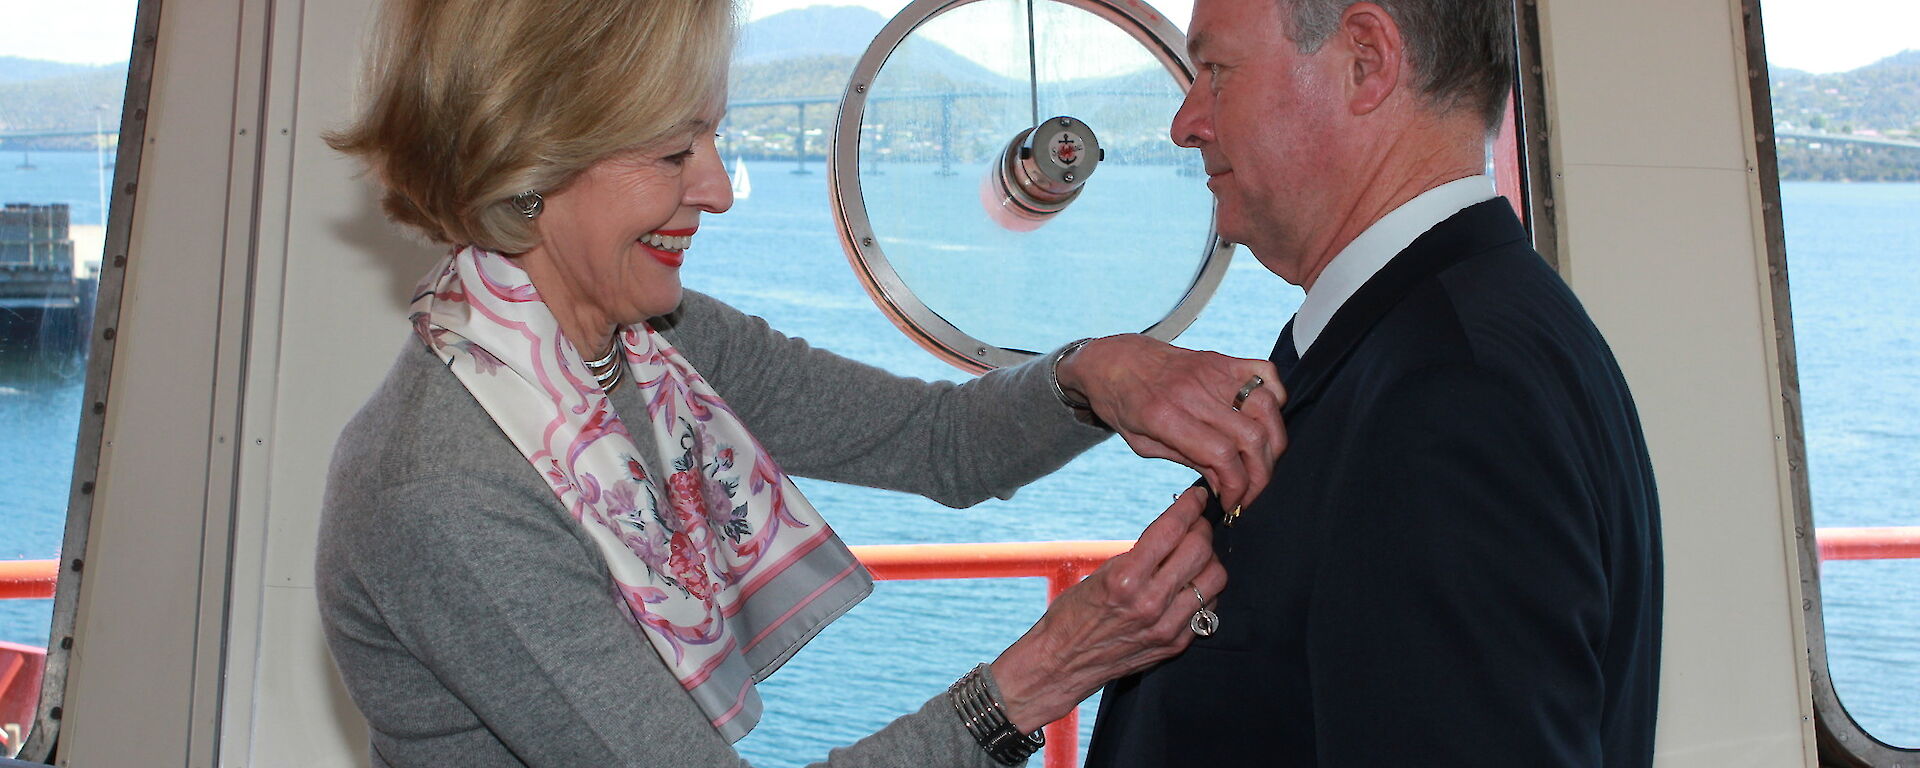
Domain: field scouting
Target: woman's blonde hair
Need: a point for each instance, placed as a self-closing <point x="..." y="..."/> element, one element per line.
<point x="471" y="102"/>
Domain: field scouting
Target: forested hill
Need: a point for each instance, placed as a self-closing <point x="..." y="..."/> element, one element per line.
<point x="1880" y="100"/>
<point x="49" y="95"/>
<point x="1883" y="96"/>
<point x="14" y="69"/>
<point x="822" y="30"/>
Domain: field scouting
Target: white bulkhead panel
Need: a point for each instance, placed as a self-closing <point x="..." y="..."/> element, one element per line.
<point x="1660" y="220"/>
<point x="331" y="321"/>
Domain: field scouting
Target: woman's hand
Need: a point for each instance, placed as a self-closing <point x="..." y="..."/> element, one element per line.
<point x="1178" y="404"/>
<point x="1130" y="614"/>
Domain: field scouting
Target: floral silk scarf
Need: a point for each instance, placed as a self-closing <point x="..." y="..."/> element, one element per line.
<point x="714" y="553"/>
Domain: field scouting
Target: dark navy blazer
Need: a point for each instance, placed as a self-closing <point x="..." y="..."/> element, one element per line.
<point x="1457" y="562"/>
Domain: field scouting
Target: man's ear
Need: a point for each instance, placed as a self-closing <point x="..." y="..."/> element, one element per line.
<point x="1376" y="54"/>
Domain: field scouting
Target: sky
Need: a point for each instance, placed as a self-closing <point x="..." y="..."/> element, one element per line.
<point x="1814" y="35"/>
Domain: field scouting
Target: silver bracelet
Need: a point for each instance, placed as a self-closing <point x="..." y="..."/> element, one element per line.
<point x="1053" y="376"/>
<point x="986" y="719"/>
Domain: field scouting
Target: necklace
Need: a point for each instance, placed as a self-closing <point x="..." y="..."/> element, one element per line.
<point x="607" y="370"/>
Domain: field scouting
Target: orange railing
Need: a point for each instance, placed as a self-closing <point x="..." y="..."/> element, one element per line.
<point x="1061" y="563"/>
<point x="28" y="579"/>
<point x="1869" y="543"/>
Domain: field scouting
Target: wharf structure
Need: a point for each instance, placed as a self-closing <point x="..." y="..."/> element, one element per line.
<point x="46" y="306"/>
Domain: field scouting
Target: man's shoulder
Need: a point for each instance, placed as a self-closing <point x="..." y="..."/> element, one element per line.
<point x="1503" y="309"/>
<point x="1501" y="320"/>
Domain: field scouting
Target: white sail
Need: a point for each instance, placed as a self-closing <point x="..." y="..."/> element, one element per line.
<point x="742" y="183"/>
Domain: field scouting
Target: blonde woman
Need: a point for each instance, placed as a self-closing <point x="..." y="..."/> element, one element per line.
<point x="562" y="532"/>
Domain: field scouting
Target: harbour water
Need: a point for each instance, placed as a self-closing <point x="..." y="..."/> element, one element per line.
<point x="1852" y="251"/>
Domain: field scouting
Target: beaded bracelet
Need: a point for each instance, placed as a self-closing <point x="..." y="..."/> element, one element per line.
<point x="986" y="719"/>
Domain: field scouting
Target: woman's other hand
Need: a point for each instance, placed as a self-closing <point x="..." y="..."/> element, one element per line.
<point x="1129" y="615"/>
<point x="1179" y="404"/>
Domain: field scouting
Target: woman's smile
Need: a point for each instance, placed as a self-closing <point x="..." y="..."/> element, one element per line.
<point x="668" y="246"/>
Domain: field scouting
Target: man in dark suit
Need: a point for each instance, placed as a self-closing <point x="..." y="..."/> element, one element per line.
<point x="1457" y="560"/>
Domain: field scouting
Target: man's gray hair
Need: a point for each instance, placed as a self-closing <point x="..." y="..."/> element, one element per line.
<point x="1462" y="50"/>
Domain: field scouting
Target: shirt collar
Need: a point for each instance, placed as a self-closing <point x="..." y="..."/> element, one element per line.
<point x="1376" y="246"/>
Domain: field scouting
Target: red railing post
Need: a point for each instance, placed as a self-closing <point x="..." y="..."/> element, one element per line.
<point x="28" y="579"/>
<point x="1063" y="735"/>
<point x="1868" y="543"/>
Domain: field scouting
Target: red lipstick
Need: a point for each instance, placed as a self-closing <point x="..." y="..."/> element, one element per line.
<point x="672" y="259"/>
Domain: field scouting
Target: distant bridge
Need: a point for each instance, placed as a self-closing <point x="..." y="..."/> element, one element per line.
<point x="946" y="99"/>
<point x="56" y="133"/>
<point x="1837" y="138"/>
<point x="801" y="104"/>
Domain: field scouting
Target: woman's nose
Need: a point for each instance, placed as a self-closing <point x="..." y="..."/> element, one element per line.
<point x="709" y="189"/>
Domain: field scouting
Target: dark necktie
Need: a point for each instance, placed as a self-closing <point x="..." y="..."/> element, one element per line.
<point x="1284" y="357"/>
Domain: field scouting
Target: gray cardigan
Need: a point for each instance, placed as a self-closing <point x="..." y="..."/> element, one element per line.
<point x="473" y="621"/>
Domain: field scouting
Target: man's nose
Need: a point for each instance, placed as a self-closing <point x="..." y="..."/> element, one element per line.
<point x="1193" y="124"/>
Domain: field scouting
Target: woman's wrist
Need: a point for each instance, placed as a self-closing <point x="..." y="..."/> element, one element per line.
<point x="977" y="701"/>
<point x="1020" y="680"/>
<point x="1062" y="374"/>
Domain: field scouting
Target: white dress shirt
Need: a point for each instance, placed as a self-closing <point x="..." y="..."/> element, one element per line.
<point x="1357" y="263"/>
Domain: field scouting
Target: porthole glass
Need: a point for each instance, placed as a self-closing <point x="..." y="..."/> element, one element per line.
<point x="923" y="133"/>
<point x="63" y="77"/>
<point x="1846" y="130"/>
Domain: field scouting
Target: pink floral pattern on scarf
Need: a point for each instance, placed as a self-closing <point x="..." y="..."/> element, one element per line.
<point x="695" y="546"/>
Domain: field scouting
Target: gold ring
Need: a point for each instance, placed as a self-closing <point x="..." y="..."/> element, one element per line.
<point x="1246" y="391"/>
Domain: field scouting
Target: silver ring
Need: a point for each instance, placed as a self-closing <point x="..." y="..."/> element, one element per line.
<point x="1204" y="622"/>
<point x="1246" y="391"/>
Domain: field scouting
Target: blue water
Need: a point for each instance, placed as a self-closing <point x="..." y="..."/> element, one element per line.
<point x="777" y="255"/>
<point x="1851" y="253"/>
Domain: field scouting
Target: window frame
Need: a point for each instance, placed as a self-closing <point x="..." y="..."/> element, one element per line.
<point x="1532" y="139"/>
<point x="1841" y="740"/>
<point x="109" y="292"/>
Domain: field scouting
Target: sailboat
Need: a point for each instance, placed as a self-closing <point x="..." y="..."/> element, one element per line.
<point x="742" y="183"/>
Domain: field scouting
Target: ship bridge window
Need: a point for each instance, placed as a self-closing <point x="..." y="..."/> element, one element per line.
<point x="902" y="236"/>
<point x="63" y="76"/>
<point x="1845" y="140"/>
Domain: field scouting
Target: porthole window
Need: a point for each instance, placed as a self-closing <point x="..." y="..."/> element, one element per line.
<point x="1845" y="141"/>
<point x="63" y="79"/>
<point x="1010" y="200"/>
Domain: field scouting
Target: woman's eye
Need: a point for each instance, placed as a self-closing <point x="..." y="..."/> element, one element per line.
<point x="679" y="158"/>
